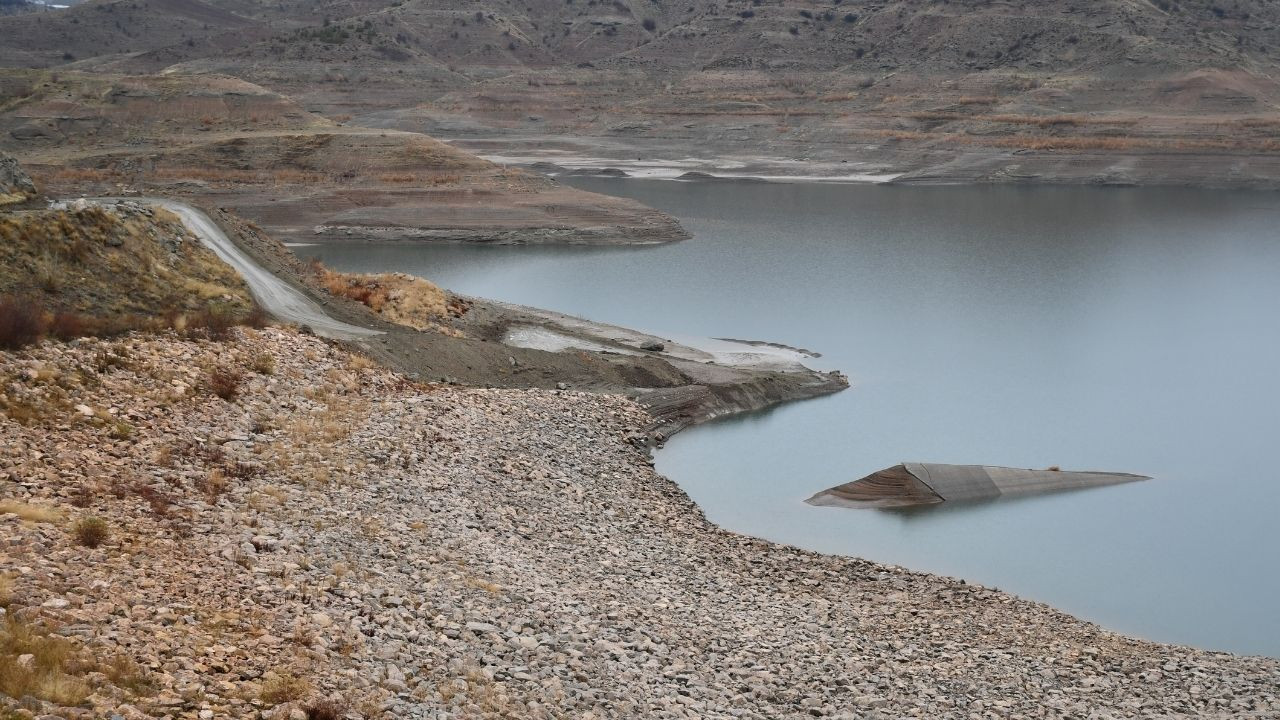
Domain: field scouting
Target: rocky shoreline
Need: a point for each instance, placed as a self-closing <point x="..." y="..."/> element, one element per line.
<point x="334" y="531"/>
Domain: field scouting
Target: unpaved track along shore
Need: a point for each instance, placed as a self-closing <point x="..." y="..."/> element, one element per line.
<point x="681" y="389"/>
<point x="275" y="296"/>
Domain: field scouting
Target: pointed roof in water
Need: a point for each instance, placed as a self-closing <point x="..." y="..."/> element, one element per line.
<point x="930" y="483"/>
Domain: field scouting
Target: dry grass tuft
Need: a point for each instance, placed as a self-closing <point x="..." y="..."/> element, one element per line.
<point x="123" y="671"/>
<point x="6" y="589"/>
<point x="47" y="674"/>
<point x="263" y="364"/>
<point x="283" y="687"/>
<point x="30" y="512"/>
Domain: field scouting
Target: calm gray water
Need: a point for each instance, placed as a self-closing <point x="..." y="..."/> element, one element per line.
<point x="1132" y="330"/>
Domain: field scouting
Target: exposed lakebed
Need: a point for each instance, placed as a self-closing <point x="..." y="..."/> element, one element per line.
<point x="1094" y="329"/>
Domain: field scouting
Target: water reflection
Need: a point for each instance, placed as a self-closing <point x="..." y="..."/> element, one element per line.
<point x="1002" y="503"/>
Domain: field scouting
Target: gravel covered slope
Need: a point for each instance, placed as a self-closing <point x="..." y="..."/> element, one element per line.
<point x="424" y="552"/>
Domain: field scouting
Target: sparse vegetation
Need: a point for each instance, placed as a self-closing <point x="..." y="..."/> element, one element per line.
<point x="92" y="531"/>
<point x="134" y="268"/>
<point x="213" y="484"/>
<point x="21" y="323"/>
<point x="225" y="382"/>
<point x="325" y="710"/>
<point x="263" y="364"/>
<point x="25" y="321"/>
<point x="36" y="663"/>
<point x="284" y="686"/>
<point x="121" y="430"/>
<point x="398" y="297"/>
<point x="31" y="512"/>
<point x="125" y="672"/>
<point x="212" y="323"/>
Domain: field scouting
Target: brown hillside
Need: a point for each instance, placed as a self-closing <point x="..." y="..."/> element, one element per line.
<point x="110" y="262"/>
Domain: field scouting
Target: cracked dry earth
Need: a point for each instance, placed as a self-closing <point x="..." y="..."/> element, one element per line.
<point x="332" y="530"/>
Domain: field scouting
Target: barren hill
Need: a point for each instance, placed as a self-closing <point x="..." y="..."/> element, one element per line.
<point x="229" y="143"/>
<point x="1113" y="91"/>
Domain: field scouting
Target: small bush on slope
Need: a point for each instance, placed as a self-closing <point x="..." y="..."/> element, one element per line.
<point x="21" y="323"/>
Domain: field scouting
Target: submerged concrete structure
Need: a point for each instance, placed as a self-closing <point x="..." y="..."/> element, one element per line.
<point x="910" y="484"/>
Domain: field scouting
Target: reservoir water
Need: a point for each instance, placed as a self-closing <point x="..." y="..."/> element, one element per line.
<point x="1133" y="330"/>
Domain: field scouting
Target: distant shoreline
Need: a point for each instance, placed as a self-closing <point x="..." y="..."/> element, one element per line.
<point x="683" y="161"/>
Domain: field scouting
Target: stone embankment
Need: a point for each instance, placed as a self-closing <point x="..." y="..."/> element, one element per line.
<point x="288" y="524"/>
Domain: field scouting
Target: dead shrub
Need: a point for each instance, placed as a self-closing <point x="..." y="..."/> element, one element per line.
<point x="225" y="382"/>
<point x="158" y="501"/>
<point x="68" y="326"/>
<point x="21" y="322"/>
<point x="213" y="484"/>
<point x="212" y="323"/>
<point x="325" y="710"/>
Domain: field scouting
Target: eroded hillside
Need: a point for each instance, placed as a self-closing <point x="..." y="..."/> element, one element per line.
<point x="227" y="142"/>
<point x="1117" y="91"/>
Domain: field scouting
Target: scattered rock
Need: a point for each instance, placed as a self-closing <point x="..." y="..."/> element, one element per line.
<point x="429" y="551"/>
